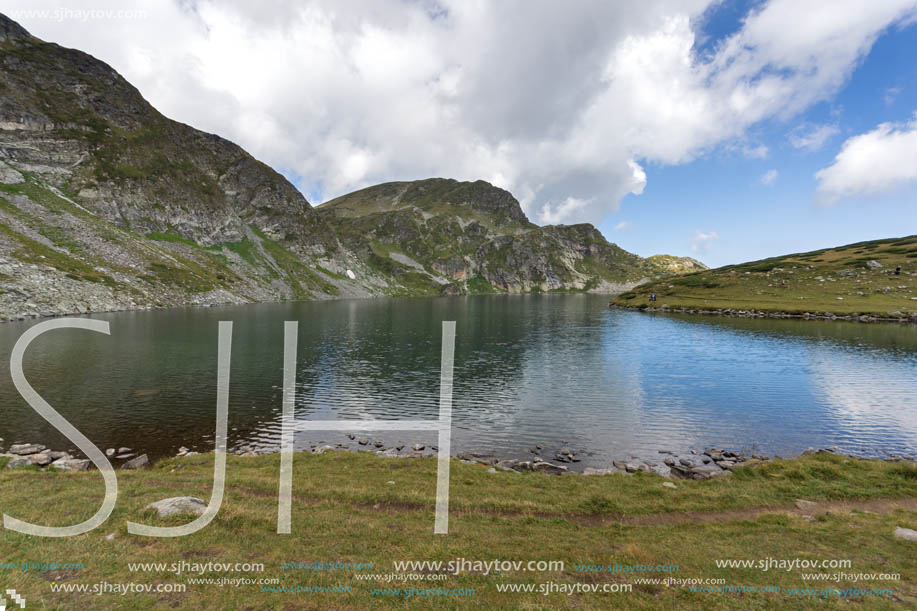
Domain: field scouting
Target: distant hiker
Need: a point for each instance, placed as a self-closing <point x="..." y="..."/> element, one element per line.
<point x="652" y="296"/>
<point x="783" y="283"/>
<point x="898" y="271"/>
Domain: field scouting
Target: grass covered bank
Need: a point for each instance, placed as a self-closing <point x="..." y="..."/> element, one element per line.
<point x="856" y="279"/>
<point x="362" y="509"/>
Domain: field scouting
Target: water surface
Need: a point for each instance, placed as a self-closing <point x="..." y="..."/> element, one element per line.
<point x="549" y="370"/>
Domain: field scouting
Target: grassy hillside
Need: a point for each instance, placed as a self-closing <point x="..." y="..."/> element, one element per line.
<point x="362" y="509"/>
<point x="842" y="281"/>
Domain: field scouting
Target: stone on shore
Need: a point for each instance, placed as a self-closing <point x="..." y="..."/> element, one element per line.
<point x="508" y="465"/>
<point x="418" y="447"/>
<point x="42" y="459"/>
<point x="71" y="464"/>
<point x="697" y="472"/>
<point x="546" y="467"/>
<point x="136" y="463"/>
<point x="19" y="461"/>
<point x="178" y="505"/>
<point x="595" y="471"/>
<point x="477" y="457"/>
<point x="24" y="449"/>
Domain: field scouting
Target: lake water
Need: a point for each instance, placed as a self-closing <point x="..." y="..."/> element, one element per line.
<point x="529" y="370"/>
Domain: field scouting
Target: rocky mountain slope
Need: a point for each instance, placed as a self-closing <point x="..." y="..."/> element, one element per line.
<point x="443" y="236"/>
<point x="105" y="204"/>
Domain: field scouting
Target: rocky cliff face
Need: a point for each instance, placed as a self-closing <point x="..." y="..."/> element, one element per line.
<point x="444" y="236"/>
<point x="107" y="204"/>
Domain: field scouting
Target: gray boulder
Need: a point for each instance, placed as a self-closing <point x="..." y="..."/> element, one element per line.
<point x="24" y="449"/>
<point x="546" y="467"/>
<point x="71" y="464"/>
<point x="178" y="505"/>
<point x="507" y="465"/>
<point x="17" y="462"/>
<point x="906" y="534"/>
<point x="41" y="459"/>
<point x="697" y="472"/>
<point x="137" y="463"/>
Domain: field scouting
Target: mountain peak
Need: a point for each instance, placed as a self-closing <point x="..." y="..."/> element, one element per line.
<point x="478" y="199"/>
<point x="10" y="30"/>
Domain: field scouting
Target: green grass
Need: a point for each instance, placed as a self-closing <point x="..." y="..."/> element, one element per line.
<point x="345" y="510"/>
<point x="478" y="285"/>
<point x="33" y="251"/>
<point x="297" y="272"/>
<point x="835" y="280"/>
<point x="171" y="237"/>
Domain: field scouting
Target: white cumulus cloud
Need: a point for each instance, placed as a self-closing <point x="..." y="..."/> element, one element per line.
<point x="702" y="241"/>
<point x="873" y="163"/>
<point x="623" y="225"/>
<point x="563" y="105"/>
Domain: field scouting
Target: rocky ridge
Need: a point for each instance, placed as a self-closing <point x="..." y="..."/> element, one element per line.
<point x="444" y="236"/>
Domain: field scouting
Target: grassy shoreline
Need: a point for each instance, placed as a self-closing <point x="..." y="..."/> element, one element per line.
<point x="769" y="313"/>
<point x="359" y="508"/>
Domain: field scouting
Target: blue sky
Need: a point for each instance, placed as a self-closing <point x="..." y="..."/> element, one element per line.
<point x="725" y="130"/>
<point x="722" y="191"/>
